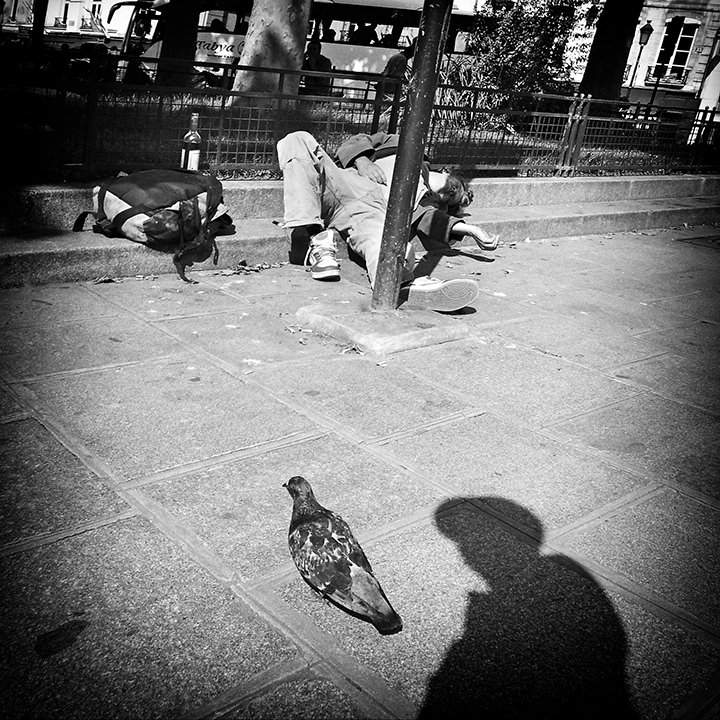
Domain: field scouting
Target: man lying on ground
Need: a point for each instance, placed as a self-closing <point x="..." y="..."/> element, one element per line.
<point x="325" y="199"/>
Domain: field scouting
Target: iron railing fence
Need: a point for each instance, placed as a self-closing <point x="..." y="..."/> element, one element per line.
<point x="97" y="128"/>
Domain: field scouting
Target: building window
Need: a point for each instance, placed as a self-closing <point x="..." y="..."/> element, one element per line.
<point x="672" y="65"/>
<point x="680" y="59"/>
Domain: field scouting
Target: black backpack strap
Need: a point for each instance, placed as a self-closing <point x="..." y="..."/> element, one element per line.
<point x="119" y="220"/>
<point x="79" y="223"/>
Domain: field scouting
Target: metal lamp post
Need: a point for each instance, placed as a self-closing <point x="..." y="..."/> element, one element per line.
<point x="645" y="32"/>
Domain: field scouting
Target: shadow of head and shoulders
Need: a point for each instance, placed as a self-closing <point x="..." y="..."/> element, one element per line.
<point x="541" y="638"/>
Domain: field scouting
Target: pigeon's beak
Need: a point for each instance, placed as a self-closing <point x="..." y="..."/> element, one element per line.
<point x="284" y="485"/>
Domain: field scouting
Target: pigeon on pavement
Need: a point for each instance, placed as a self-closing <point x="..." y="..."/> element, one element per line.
<point x="332" y="562"/>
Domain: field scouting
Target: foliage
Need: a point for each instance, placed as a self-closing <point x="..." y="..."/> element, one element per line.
<point x="518" y="46"/>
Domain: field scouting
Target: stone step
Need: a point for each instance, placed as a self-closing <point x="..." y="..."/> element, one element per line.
<point x="55" y="208"/>
<point x="68" y="256"/>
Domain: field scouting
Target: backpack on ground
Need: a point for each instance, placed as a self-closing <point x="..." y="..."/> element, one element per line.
<point x="170" y="210"/>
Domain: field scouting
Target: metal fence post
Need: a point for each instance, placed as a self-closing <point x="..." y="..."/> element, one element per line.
<point x="564" y="147"/>
<point x="396" y="233"/>
<point x="582" y="116"/>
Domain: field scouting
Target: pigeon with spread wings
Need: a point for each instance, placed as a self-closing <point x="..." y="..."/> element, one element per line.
<point x="332" y="562"/>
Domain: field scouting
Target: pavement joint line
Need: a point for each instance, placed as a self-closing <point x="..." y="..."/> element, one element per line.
<point x="693" y="494"/>
<point x="191" y="543"/>
<point x="607" y="511"/>
<point x="689" y="323"/>
<point x="258" y="685"/>
<point x="630" y="363"/>
<point x="40" y="540"/>
<point x="69" y="440"/>
<point x="74" y="372"/>
<point x="669" y="396"/>
<point x="424" y="427"/>
<point x="590" y="411"/>
<point x="376" y="694"/>
<point x="555" y="421"/>
<point x="226" y="458"/>
<point x="358" y="694"/>
<point x="75" y="321"/>
<point x="636" y="592"/>
<point x="189" y="316"/>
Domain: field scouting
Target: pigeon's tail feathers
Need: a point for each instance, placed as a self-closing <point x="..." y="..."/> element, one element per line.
<point x="368" y="599"/>
<point x="388" y="624"/>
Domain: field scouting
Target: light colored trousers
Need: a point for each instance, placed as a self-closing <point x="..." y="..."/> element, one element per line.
<point x="318" y="192"/>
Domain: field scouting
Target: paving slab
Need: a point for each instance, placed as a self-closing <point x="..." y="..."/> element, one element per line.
<point x="698" y="341"/>
<point x="242" y="512"/>
<point x="681" y="530"/>
<point x="137" y="418"/>
<point x="697" y="305"/>
<point x="45" y="488"/>
<point x="590" y="341"/>
<point x="486" y="614"/>
<point x="43" y="349"/>
<point x="119" y="623"/>
<point x="668" y="440"/>
<point x="625" y="315"/>
<point x="678" y="378"/>
<point x="164" y="296"/>
<point x="52" y="304"/>
<point x="8" y="404"/>
<point x="364" y="395"/>
<point x="304" y="699"/>
<point x="250" y="336"/>
<point x="502" y="376"/>
<point x="489" y="455"/>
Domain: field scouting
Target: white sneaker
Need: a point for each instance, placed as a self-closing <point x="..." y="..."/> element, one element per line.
<point x="321" y="256"/>
<point x="440" y="295"/>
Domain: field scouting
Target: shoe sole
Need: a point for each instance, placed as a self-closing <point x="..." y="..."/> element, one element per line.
<point x="326" y="274"/>
<point x="452" y="295"/>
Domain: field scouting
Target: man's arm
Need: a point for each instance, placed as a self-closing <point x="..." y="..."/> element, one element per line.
<point x="365" y="146"/>
<point x="483" y="239"/>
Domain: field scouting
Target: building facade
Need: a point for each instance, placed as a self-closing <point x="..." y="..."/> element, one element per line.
<point x="679" y="61"/>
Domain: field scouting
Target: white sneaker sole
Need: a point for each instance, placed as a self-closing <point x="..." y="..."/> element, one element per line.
<point x="446" y="296"/>
<point x="330" y="273"/>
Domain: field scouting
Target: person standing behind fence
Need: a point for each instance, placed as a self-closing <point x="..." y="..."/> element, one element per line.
<point x="316" y="61"/>
<point x="395" y="70"/>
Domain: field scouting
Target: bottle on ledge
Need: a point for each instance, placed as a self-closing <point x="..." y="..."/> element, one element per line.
<point x="190" y="157"/>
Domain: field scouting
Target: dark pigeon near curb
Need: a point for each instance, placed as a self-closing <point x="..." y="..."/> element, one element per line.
<point x="332" y="562"/>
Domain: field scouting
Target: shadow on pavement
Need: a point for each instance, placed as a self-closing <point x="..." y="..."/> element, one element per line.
<point x="542" y="640"/>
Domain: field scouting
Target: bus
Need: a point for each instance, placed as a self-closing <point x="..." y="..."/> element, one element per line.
<point x="222" y="26"/>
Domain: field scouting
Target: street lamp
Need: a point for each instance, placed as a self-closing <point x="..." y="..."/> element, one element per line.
<point x="645" y="32"/>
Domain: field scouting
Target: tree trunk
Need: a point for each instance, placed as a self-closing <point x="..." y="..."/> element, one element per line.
<point x="614" y="35"/>
<point x="179" y="43"/>
<point x="275" y="39"/>
<point x="40" y="8"/>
